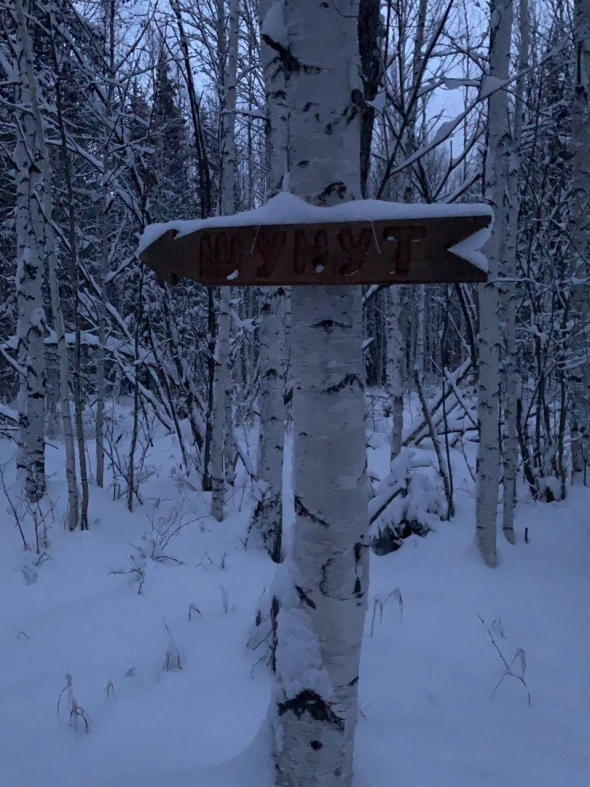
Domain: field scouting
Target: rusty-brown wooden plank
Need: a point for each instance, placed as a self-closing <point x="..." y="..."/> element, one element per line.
<point x="403" y="251"/>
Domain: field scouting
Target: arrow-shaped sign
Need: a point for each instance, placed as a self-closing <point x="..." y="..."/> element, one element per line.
<point x="398" y="251"/>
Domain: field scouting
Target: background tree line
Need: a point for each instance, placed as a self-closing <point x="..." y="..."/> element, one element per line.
<point x="118" y="114"/>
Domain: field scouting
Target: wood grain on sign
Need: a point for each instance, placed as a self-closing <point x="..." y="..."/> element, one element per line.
<point x="408" y="251"/>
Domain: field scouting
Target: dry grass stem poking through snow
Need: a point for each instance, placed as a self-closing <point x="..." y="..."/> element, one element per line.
<point x="379" y="605"/>
<point x="515" y="668"/>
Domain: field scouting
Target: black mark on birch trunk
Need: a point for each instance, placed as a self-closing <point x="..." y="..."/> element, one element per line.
<point x="358" y="586"/>
<point x="309" y="702"/>
<point x="324" y="579"/>
<point x="304" y="597"/>
<point x="337" y="187"/>
<point x="327" y="325"/>
<point x="301" y="510"/>
<point x="349" y="380"/>
<point x="291" y="65"/>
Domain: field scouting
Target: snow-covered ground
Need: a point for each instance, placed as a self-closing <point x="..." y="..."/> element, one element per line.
<point x="429" y="666"/>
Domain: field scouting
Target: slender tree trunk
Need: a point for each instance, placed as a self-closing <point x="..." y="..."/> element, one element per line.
<point x="211" y="344"/>
<point x="228" y="52"/>
<point x="136" y="403"/>
<point x="394" y="363"/>
<point x="102" y="335"/>
<point x="268" y="512"/>
<point x="508" y="293"/>
<point x="218" y="419"/>
<point x="56" y="303"/>
<point x="316" y="696"/>
<point x="369" y="34"/>
<point x="417" y="65"/>
<point x="497" y="162"/>
<point x="73" y="260"/>
<point x="30" y="252"/>
<point x="267" y="517"/>
<point x="580" y="225"/>
<point x="420" y="353"/>
<point x="206" y="207"/>
<point x="228" y="398"/>
<point x="104" y="247"/>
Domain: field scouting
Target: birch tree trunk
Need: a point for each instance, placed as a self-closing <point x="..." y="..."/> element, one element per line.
<point x="228" y="53"/>
<point x="420" y="303"/>
<point x="370" y="34"/>
<point x="219" y="406"/>
<point x="508" y="292"/>
<point x="56" y="304"/>
<point x="228" y="433"/>
<point x="109" y="26"/>
<point x="267" y="517"/>
<point x="73" y="260"/>
<point x="497" y="164"/>
<point x="580" y="224"/>
<point x="319" y="638"/>
<point x="394" y="363"/>
<point x="29" y="276"/>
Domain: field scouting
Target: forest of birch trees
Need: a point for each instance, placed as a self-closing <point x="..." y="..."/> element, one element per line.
<point x="115" y="115"/>
<point x="119" y="114"/>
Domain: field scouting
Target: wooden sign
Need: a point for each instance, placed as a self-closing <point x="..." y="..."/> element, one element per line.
<point x="402" y="251"/>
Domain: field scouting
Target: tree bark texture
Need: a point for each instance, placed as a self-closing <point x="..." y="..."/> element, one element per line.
<point x="104" y="223"/>
<point x="268" y="512"/>
<point x="29" y="277"/>
<point x="228" y="53"/>
<point x="316" y="685"/>
<point x="394" y="363"/>
<point x="508" y="292"/>
<point x="267" y="516"/>
<point x="496" y="174"/>
<point x="580" y="225"/>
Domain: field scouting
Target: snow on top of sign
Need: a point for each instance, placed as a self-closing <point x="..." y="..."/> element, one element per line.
<point x="286" y="208"/>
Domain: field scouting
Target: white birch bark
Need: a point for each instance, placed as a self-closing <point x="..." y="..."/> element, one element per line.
<point x="228" y="433"/>
<point x="508" y="291"/>
<point x="580" y="223"/>
<point x="73" y="259"/>
<point x="268" y="513"/>
<point x="497" y="163"/>
<point x="56" y="304"/>
<point x="275" y="89"/>
<point x="394" y="363"/>
<point x="219" y="406"/>
<point x="228" y="399"/>
<point x="316" y="690"/>
<point x="102" y="322"/>
<point x="228" y="53"/>
<point x="419" y="358"/>
<point x="29" y="277"/>
<point x="267" y="516"/>
<point x="109" y="26"/>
